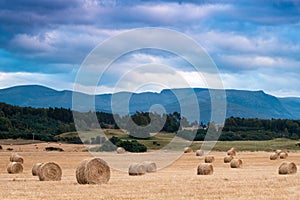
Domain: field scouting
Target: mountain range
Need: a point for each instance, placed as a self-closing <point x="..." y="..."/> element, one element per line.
<point x="239" y="103"/>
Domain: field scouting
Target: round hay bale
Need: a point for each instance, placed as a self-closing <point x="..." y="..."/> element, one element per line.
<point x="15" y="168"/>
<point x="228" y="159"/>
<point x="209" y="159"/>
<point x="35" y="169"/>
<point x="287" y="168"/>
<point x="188" y="150"/>
<point x="274" y="156"/>
<point x="150" y="166"/>
<point x="205" y="169"/>
<point x="50" y="171"/>
<point x="93" y="171"/>
<point x="136" y="169"/>
<point x="120" y="150"/>
<point x="199" y="152"/>
<point x="236" y="163"/>
<point x="14" y="157"/>
<point x="231" y="152"/>
<point x="278" y="151"/>
<point x="283" y="155"/>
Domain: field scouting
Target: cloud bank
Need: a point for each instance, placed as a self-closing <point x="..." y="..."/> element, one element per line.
<point x="255" y="44"/>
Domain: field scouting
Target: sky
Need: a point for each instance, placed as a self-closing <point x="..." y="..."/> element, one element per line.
<point x="254" y="44"/>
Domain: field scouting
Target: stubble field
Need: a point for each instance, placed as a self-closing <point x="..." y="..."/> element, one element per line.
<point x="257" y="179"/>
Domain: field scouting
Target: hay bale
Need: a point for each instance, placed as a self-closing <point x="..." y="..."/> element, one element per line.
<point x="209" y="159"/>
<point x="287" y="168"/>
<point x="278" y="151"/>
<point x="15" y="168"/>
<point x="188" y="150"/>
<point x="199" y="152"/>
<point x="236" y="163"/>
<point x="49" y="171"/>
<point x="93" y="171"/>
<point x="14" y="157"/>
<point x="136" y="169"/>
<point x="283" y="155"/>
<point x="228" y="159"/>
<point x="205" y="169"/>
<point x="120" y="150"/>
<point x="231" y="152"/>
<point x="35" y="169"/>
<point x="274" y="156"/>
<point x="150" y="166"/>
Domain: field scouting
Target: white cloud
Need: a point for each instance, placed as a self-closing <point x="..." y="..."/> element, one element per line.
<point x="155" y="77"/>
<point x="55" y="81"/>
<point x="261" y="42"/>
<point x="255" y="62"/>
<point x="28" y="43"/>
<point x="170" y="13"/>
<point x="278" y="84"/>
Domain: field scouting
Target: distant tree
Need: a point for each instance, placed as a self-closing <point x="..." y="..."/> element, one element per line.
<point x="5" y="124"/>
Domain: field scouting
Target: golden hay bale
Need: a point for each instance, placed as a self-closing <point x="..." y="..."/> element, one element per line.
<point x="287" y="168"/>
<point x="278" y="151"/>
<point x="231" y="152"/>
<point x="14" y="167"/>
<point x="274" y="156"/>
<point x="283" y="155"/>
<point x="209" y="159"/>
<point x="136" y="169"/>
<point x="50" y="171"/>
<point x="35" y="169"/>
<point x="199" y="152"/>
<point x="120" y="150"/>
<point x="93" y="171"/>
<point x="205" y="169"/>
<point x="188" y="150"/>
<point x="14" y="157"/>
<point x="150" y="166"/>
<point x="228" y="159"/>
<point x="236" y="163"/>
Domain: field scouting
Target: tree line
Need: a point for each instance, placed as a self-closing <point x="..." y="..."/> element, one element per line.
<point x="46" y="123"/>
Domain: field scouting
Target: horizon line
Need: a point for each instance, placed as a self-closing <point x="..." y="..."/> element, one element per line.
<point x="146" y="91"/>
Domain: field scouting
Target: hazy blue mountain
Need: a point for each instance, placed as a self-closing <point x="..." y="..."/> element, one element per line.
<point x="292" y="104"/>
<point x="36" y="96"/>
<point x="255" y="104"/>
<point x="239" y="103"/>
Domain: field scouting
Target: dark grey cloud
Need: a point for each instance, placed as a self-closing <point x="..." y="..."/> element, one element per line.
<point x="242" y="36"/>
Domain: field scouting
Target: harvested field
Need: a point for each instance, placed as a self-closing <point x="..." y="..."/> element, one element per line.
<point x="257" y="179"/>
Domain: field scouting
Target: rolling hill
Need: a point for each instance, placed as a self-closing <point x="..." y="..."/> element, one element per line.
<point x="239" y="103"/>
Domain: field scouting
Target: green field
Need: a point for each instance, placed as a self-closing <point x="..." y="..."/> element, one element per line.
<point x="268" y="145"/>
<point x="159" y="140"/>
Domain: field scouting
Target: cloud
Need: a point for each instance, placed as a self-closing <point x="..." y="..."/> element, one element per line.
<point x="236" y="52"/>
<point x="278" y="84"/>
<point x="154" y="78"/>
<point x="51" y="38"/>
<point x="270" y="13"/>
<point x="240" y="63"/>
<point x="57" y="81"/>
<point x="31" y="44"/>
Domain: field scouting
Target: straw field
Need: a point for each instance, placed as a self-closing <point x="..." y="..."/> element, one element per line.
<point x="258" y="178"/>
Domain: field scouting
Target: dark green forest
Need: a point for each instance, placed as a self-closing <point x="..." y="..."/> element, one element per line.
<point x="46" y="123"/>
